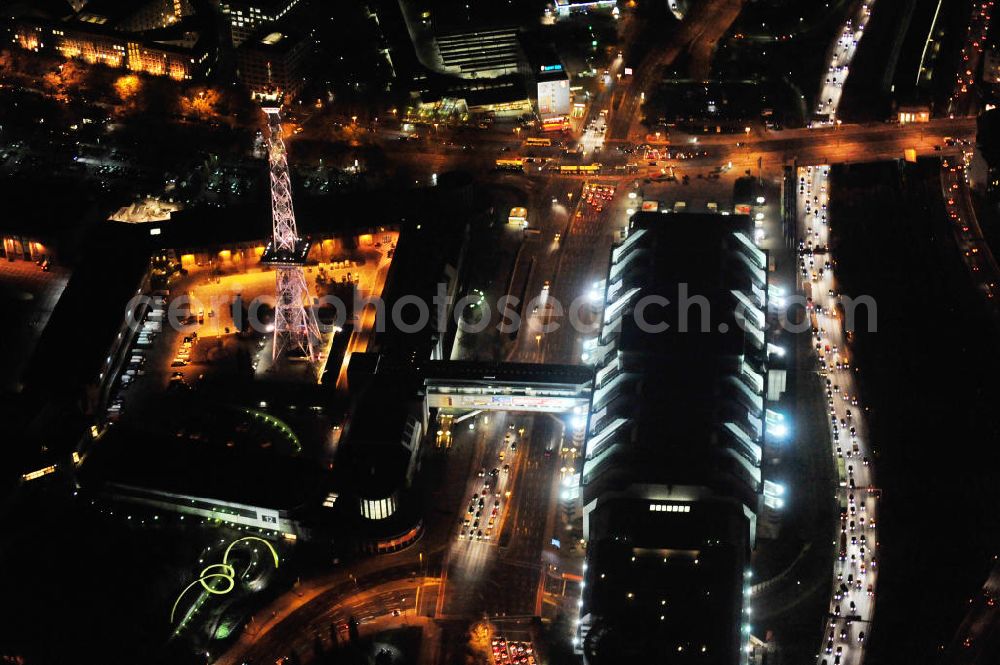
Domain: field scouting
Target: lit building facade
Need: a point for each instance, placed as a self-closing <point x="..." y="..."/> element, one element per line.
<point x="552" y="89"/>
<point x="913" y="114"/>
<point x="96" y="44"/>
<point x="245" y="17"/>
<point x="566" y="7"/>
<point x="152" y="15"/>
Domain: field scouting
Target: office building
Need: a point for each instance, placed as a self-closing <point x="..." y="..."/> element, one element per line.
<point x="484" y="53"/>
<point x="273" y="60"/>
<point x="552" y="89"/>
<point x="245" y="17"/>
<point x="150" y="37"/>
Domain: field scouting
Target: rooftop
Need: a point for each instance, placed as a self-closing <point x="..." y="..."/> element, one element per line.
<point x="663" y="581"/>
<point x="169" y="463"/>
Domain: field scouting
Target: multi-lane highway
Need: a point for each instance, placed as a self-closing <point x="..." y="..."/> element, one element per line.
<point x="840" y="62"/>
<point x="976" y="252"/>
<point x="853" y="592"/>
<point x="500" y="571"/>
<point x="963" y="100"/>
<point x="855" y="539"/>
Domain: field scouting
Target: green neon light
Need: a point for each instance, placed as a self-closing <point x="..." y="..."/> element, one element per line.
<point x="274" y="553"/>
<point x="277" y="424"/>
<point x="226" y="572"/>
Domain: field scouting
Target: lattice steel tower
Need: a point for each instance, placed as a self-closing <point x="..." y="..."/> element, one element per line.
<point x="295" y="327"/>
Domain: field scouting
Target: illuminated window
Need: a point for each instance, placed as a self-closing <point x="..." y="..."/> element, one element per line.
<point x="378" y="509"/>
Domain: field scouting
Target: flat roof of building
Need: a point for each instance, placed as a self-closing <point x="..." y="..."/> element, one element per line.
<point x="675" y="397"/>
<point x="168" y="463"/>
<point x="661" y="580"/>
<point x="276" y="38"/>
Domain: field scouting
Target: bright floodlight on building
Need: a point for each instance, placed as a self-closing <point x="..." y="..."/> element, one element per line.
<point x="772" y="488"/>
<point x="775" y="423"/>
<point x="774" y="502"/>
<point x="779" y="431"/>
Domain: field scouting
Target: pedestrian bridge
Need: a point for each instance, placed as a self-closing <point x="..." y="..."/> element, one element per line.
<point x="462" y="385"/>
<point x="459" y="385"/>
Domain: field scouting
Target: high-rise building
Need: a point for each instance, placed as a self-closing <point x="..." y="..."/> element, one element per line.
<point x="245" y="17"/>
<point x="671" y="481"/>
<point x="272" y="61"/>
<point x="552" y="90"/>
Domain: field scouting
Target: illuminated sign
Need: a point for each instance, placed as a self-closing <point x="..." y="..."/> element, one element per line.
<point x="550" y="68"/>
<point x="585" y="168"/>
<point x="504" y="402"/>
<point x="557" y="123"/>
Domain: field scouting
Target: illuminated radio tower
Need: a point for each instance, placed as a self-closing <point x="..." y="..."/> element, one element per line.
<point x="295" y="327"/>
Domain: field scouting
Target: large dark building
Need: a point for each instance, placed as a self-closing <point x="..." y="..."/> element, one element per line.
<point x="273" y="59"/>
<point x="672" y="480"/>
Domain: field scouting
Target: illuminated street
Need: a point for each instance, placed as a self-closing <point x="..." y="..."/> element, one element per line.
<point x="840" y="62"/>
<point x="855" y="540"/>
<point x="501" y="573"/>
